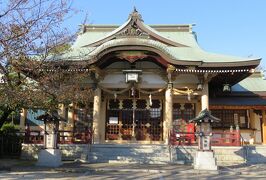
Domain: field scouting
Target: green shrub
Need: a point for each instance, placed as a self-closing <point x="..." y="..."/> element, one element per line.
<point x="8" y="128"/>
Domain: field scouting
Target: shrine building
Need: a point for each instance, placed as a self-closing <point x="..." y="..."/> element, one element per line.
<point x="151" y="79"/>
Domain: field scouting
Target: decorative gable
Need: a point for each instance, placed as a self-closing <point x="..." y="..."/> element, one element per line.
<point x="135" y="28"/>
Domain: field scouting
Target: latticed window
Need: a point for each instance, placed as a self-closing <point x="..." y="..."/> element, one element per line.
<point x="127" y="104"/>
<point x="127" y="115"/>
<point x="141" y="104"/>
<point x="230" y="117"/>
<point x="113" y="104"/>
<point x="182" y="113"/>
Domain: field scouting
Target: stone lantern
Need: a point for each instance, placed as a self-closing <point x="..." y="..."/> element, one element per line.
<point x="50" y="156"/>
<point x="204" y="158"/>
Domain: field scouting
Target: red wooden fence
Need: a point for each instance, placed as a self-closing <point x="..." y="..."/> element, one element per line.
<point x="64" y="137"/>
<point x="217" y="138"/>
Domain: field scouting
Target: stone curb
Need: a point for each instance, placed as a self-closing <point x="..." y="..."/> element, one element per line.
<point x="191" y="171"/>
<point x="152" y="170"/>
<point x="83" y="170"/>
<point x="243" y="173"/>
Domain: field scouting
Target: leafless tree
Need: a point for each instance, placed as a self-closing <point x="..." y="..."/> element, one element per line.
<point x="31" y="32"/>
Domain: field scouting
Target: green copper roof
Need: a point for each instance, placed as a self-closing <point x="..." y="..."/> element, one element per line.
<point x="254" y="83"/>
<point x="176" y="42"/>
<point x="203" y="116"/>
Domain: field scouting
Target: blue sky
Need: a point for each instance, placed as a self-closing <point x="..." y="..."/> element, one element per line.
<point x="233" y="27"/>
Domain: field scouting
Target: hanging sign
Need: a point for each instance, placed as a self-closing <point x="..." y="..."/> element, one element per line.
<point x="113" y="120"/>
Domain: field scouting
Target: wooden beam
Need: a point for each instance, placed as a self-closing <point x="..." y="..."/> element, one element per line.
<point x="237" y="107"/>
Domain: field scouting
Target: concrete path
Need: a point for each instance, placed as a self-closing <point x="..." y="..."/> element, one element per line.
<point x="19" y="169"/>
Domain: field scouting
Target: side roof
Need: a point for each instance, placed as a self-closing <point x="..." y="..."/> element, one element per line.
<point x="255" y="83"/>
<point x="248" y="92"/>
<point x="177" y="42"/>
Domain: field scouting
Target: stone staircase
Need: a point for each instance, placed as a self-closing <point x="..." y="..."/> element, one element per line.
<point x="129" y="153"/>
<point x="152" y="154"/>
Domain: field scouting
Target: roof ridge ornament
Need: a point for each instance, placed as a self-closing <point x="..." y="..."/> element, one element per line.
<point x="135" y="15"/>
<point x="133" y="29"/>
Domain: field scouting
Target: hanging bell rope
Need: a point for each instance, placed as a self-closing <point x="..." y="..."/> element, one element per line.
<point x="187" y="92"/>
<point x="150" y="100"/>
<point x="128" y="88"/>
<point x="151" y="92"/>
<point x="182" y="92"/>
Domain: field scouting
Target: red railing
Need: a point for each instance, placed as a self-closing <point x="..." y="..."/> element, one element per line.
<point x="182" y="138"/>
<point x="64" y="137"/>
<point x="73" y="137"/>
<point x="32" y="137"/>
<point x="226" y="138"/>
<point x="217" y="139"/>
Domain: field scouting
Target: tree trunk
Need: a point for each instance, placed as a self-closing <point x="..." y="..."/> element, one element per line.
<point x="4" y="117"/>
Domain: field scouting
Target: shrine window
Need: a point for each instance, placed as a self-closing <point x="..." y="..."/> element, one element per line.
<point x="230" y="117"/>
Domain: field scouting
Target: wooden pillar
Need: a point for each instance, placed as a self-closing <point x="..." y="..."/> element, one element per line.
<point x="198" y="106"/>
<point x="264" y="127"/>
<point x="252" y="125"/>
<point x="23" y="116"/>
<point x="168" y="113"/>
<point x="62" y="113"/>
<point x="102" y="122"/>
<point x="205" y="97"/>
<point x="96" y="115"/>
<point x="70" y="116"/>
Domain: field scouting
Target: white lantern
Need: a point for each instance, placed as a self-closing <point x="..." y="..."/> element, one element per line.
<point x="132" y="75"/>
<point x="226" y="88"/>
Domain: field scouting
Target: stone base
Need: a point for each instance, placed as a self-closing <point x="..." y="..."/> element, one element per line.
<point x="205" y="160"/>
<point x="49" y="158"/>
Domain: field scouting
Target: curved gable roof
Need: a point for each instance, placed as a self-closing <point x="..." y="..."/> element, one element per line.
<point x="177" y="41"/>
<point x="133" y="27"/>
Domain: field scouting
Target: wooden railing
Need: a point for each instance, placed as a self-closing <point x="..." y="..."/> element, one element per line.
<point x="32" y="137"/>
<point x="64" y="137"/>
<point x="183" y="138"/>
<point x="225" y="138"/>
<point x="74" y="137"/>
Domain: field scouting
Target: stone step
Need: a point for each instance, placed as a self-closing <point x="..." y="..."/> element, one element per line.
<point x="150" y="154"/>
<point x="229" y="158"/>
<point x="129" y="151"/>
<point x="139" y="159"/>
<point x="128" y="155"/>
<point x="146" y="148"/>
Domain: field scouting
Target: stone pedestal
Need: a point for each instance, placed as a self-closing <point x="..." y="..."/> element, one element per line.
<point x="49" y="158"/>
<point x="205" y="160"/>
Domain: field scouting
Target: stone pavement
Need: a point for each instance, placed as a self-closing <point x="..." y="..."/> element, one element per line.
<point x="22" y="169"/>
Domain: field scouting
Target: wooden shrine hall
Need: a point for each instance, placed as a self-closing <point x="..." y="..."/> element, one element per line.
<point x="151" y="79"/>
